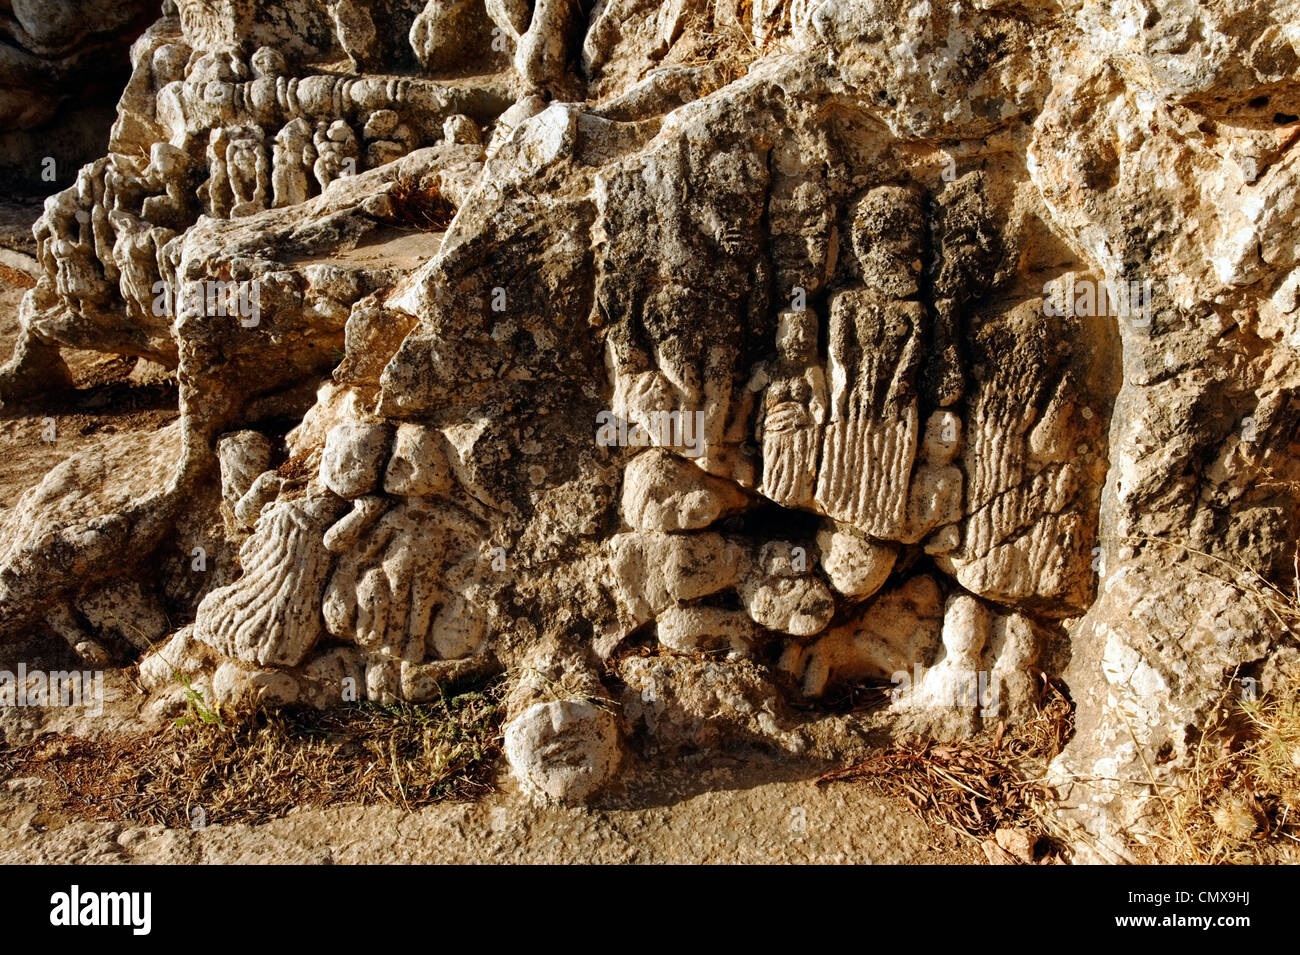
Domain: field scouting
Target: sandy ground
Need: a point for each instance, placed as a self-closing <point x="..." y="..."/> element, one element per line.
<point x="722" y="814"/>
<point x="739" y="807"/>
<point x="747" y="824"/>
<point x="742" y="806"/>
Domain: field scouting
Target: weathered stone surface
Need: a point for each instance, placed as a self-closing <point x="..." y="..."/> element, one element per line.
<point x="683" y="702"/>
<point x="855" y="565"/>
<point x="243" y="457"/>
<point x="235" y="685"/>
<point x="93" y="518"/>
<point x="165" y="669"/>
<point x="662" y="492"/>
<point x="899" y="629"/>
<point x="702" y="629"/>
<point x="419" y="466"/>
<point x="652" y="572"/>
<point x="352" y="463"/>
<point x="401" y="583"/>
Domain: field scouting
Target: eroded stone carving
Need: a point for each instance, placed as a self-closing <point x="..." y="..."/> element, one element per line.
<point x="818" y="308"/>
<point x="874" y="353"/>
<point x="336" y="152"/>
<point x="355" y="30"/>
<point x="294" y="156"/>
<point x="271" y="615"/>
<point x="792" y="411"/>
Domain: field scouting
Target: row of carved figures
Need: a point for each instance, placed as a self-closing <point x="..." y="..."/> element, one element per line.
<point x="243" y="179"/>
<point x="112" y="226"/>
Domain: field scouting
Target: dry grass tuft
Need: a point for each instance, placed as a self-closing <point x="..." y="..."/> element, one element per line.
<point x="1239" y="801"/>
<point x="420" y="205"/>
<point x="989" y="783"/>
<point x="729" y="45"/>
<point x="257" y="765"/>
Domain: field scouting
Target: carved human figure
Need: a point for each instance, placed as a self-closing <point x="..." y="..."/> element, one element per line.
<point x="100" y="187"/>
<point x="803" y="238"/>
<point x="77" y="277"/>
<point x="247" y="167"/>
<point x="336" y="152"/>
<point x="792" y="411"/>
<point x="1013" y="683"/>
<point x="216" y="191"/>
<point x="59" y="219"/>
<point x="690" y="347"/>
<point x="268" y="63"/>
<point x="214" y="79"/>
<point x="213" y="67"/>
<point x="168" y="64"/>
<point x="541" y="36"/>
<point x="443" y="37"/>
<point x="387" y="138"/>
<point x="954" y="681"/>
<point x="292" y="157"/>
<point x="166" y="176"/>
<point x="874" y="352"/>
<point x="66" y="247"/>
<point x="136" y="260"/>
<point x="400" y="598"/>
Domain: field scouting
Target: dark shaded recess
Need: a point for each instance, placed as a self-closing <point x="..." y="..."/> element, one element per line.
<point x="770" y="521"/>
<point x="78" y="131"/>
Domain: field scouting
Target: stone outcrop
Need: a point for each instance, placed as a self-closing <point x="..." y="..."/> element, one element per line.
<point x="784" y="345"/>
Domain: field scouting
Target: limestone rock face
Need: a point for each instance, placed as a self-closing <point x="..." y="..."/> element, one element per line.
<point x="781" y="346"/>
<point x="89" y="524"/>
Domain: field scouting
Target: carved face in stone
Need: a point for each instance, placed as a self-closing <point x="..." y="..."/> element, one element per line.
<point x="734" y="179"/>
<point x="796" y="336"/>
<point x="803" y="238"/>
<point x="211" y="68"/>
<point x="294" y="135"/>
<point x="166" y="162"/>
<point x="214" y="24"/>
<point x="886" y="229"/>
<point x="381" y="124"/>
<point x="169" y="62"/>
<point x="268" y="62"/>
<point x="341" y="133"/>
